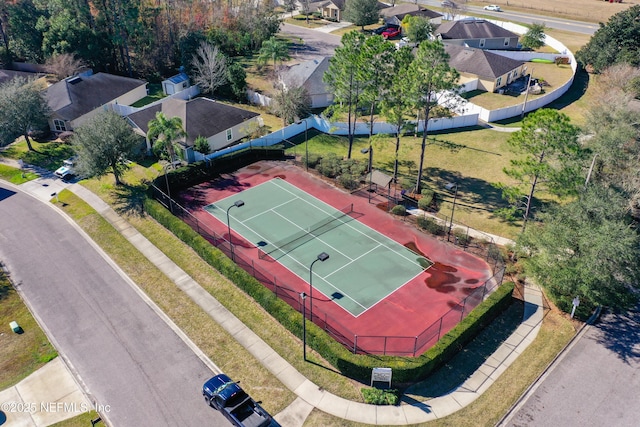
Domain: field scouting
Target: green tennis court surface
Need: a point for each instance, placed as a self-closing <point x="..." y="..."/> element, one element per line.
<point x="291" y="227"/>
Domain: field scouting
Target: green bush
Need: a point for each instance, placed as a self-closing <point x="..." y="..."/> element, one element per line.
<point x="405" y="369"/>
<point x="329" y="166"/>
<point x="374" y="396"/>
<point x="399" y="210"/>
<point x="462" y="236"/>
<point x="426" y="200"/>
<point x="430" y="225"/>
<point x="314" y="159"/>
<point x="348" y="181"/>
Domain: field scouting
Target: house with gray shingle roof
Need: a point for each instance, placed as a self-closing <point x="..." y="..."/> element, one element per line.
<point x="308" y="74"/>
<point x="395" y="14"/>
<point x="477" y="33"/>
<point x="493" y="71"/>
<point x="222" y="125"/>
<point x="76" y="99"/>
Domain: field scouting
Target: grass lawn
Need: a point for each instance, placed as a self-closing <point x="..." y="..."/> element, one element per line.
<point x="20" y="354"/>
<point x="209" y="336"/>
<point x="555" y="333"/>
<point x="474" y="158"/>
<point x="82" y="420"/>
<point x="155" y="94"/>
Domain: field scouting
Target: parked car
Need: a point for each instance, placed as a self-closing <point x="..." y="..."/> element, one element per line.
<point x="383" y="28"/>
<point x="66" y="171"/>
<point x="391" y="32"/>
<point x="493" y="8"/>
<point x="221" y="393"/>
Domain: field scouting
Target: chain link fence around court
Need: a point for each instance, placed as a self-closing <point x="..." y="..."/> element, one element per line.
<point x="359" y="344"/>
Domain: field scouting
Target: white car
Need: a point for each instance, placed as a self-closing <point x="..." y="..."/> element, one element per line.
<point x="66" y="170"/>
<point x="493" y="8"/>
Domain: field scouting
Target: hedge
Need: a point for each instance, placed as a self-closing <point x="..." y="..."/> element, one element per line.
<point x="406" y="369"/>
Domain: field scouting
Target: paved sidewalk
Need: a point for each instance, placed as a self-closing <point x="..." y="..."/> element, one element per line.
<point x="47" y="396"/>
<point x="309" y="394"/>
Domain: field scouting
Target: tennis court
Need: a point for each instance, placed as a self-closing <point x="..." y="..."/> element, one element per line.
<point x="291" y="227"/>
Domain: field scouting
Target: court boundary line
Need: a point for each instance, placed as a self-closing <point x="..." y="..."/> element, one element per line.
<point x="358" y="231"/>
<point x="378" y="244"/>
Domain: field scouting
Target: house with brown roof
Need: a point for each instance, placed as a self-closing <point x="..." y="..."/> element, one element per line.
<point x="76" y="99"/>
<point x="477" y="33"/>
<point x="222" y="125"/>
<point x="492" y="71"/>
<point x="395" y="14"/>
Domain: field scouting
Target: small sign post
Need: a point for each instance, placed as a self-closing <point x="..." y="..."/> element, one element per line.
<point x="576" y="302"/>
<point x="381" y="375"/>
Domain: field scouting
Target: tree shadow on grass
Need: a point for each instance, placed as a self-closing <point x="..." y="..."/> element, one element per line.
<point x="129" y="199"/>
<point x="470" y="358"/>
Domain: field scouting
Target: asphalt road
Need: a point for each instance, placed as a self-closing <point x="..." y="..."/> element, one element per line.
<point x="529" y="18"/>
<point x="309" y="44"/>
<point x="595" y="383"/>
<point x="127" y="357"/>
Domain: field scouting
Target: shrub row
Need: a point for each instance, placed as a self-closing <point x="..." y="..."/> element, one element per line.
<point x="406" y="369"/>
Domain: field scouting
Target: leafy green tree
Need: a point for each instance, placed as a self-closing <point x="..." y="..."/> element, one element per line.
<point x="237" y="82"/>
<point x="104" y="144"/>
<point x="274" y="50"/>
<point x="25" y="40"/>
<point x="615" y="135"/>
<point x="617" y="41"/>
<point x="24" y="109"/>
<point x="552" y="158"/>
<point x="166" y="132"/>
<point x="362" y="12"/>
<point x="376" y="72"/>
<point x="534" y="37"/>
<point x="342" y="77"/>
<point x="585" y="248"/>
<point x="396" y="105"/>
<point x="417" y="28"/>
<point x="431" y="78"/>
<point x="201" y="145"/>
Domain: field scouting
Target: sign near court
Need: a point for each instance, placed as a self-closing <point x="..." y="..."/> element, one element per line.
<point x="381" y="375"/>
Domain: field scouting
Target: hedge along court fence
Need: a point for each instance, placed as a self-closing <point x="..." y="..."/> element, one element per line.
<point x="341" y="332"/>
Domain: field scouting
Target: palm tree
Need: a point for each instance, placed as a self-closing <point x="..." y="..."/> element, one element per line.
<point x="273" y="50"/>
<point x="166" y="133"/>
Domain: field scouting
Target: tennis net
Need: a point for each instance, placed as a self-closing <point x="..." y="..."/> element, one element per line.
<point x="305" y="235"/>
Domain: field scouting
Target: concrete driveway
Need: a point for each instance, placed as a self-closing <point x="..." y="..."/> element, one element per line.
<point x="596" y="382"/>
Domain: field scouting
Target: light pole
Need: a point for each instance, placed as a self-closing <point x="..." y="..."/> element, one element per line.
<point x="453" y="209"/>
<point x="166" y="179"/>
<point x="304" y="326"/>
<point x="322" y="256"/>
<point x="237" y="204"/>
<point x="306" y="142"/>
<point x="370" y="168"/>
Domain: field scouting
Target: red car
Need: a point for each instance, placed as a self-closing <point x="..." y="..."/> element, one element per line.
<point x="391" y="33"/>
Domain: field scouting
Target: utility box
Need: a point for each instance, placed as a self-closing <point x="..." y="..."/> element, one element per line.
<point x="15" y="327"/>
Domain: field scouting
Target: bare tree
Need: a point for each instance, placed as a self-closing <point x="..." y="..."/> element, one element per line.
<point x="209" y="67"/>
<point x="64" y="65"/>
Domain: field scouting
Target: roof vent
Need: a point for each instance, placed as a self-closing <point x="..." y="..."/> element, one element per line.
<point x="74" y="80"/>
